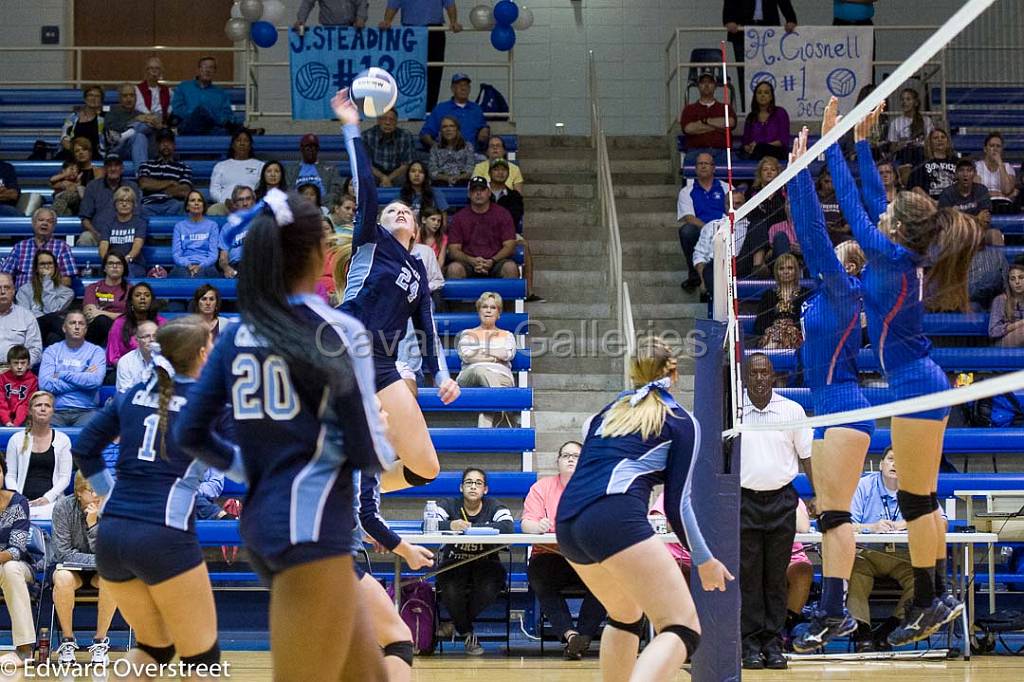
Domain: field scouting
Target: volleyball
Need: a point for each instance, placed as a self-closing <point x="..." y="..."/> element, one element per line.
<point x="374" y="91"/>
<point x="312" y="80"/>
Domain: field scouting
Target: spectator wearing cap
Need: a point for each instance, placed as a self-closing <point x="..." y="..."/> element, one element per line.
<point x="481" y="237"/>
<point x="151" y="96"/>
<point x="427" y="13"/>
<point x="469" y="115"/>
<point x="311" y="171"/>
<point x="391" y="149"/>
<point x="19" y="261"/>
<point x="496" y="150"/>
<point x="501" y="194"/>
<point x="165" y="181"/>
<point x="703" y="122"/>
<point x="10" y="192"/>
<point x="98" y="202"/>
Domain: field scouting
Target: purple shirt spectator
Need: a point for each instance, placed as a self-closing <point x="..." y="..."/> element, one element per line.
<point x="775" y="129"/>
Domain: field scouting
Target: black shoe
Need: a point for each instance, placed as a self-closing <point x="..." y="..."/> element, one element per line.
<point x="774" y="659"/>
<point x="820" y="630"/>
<point x="753" y="661"/>
<point x="575" y="646"/>
<point x="691" y="283"/>
<point x="534" y="298"/>
<point x="864" y="646"/>
<point x="919" y="623"/>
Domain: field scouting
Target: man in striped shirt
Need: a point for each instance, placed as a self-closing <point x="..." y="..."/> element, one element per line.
<point x="165" y="182"/>
<point x="19" y="261"/>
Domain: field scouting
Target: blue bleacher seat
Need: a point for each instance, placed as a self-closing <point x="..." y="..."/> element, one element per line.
<point x="499" y="484"/>
<point x="935" y="324"/>
<point x="950" y="359"/>
<point x="70" y="97"/>
<point x="979" y="95"/>
<point x="948" y="483"/>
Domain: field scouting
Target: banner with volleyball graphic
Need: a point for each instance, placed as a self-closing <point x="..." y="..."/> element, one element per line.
<point x="809" y="65"/>
<point x="328" y="58"/>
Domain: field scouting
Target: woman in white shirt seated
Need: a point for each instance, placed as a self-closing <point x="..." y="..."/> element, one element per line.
<point x="39" y="459"/>
<point x="997" y="175"/>
<point x="240" y="168"/>
<point x="907" y="132"/>
<point x="486" y="353"/>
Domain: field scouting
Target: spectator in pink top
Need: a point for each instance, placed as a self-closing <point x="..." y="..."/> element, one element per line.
<point x="548" y="571"/>
<point x="142" y="306"/>
<point x="766" y="131"/>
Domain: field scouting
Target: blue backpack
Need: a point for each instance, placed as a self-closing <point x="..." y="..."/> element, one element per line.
<point x="492" y="101"/>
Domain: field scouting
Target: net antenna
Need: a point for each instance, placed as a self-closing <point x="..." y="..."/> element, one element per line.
<point x="983" y="389"/>
<point x="732" y="312"/>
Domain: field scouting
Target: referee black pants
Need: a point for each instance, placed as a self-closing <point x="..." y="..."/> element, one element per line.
<point x="767" y="529"/>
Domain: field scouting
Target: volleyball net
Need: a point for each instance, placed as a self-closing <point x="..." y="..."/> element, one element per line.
<point x="763" y="292"/>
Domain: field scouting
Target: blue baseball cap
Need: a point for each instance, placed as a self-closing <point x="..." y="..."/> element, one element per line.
<point x="459" y="76"/>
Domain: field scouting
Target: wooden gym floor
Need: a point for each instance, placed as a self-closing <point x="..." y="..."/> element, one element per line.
<point x="254" y="666"/>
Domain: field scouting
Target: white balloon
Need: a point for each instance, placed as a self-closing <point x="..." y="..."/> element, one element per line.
<point x="482" y="17"/>
<point x="525" y="19"/>
<point x="236" y="10"/>
<point x="236" y="29"/>
<point x="273" y="11"/>
<point x="251" y="10"/>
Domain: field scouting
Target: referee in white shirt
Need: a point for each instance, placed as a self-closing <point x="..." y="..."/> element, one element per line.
<point x="769" y="463"/>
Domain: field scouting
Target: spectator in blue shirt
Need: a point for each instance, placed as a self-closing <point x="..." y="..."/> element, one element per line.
<point x="427" y="13"/>
<point x="875" y="509"/>
<point x="700" y="201"/>
<point x="200" y="107"/>
<point x="195" y="240"/>
<point x="470" y="116"/>
<point x="72" y="371"/>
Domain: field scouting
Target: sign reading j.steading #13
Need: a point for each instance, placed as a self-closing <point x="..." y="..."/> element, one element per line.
<point x="809" y="65"/>
<point x="328" y="58"/>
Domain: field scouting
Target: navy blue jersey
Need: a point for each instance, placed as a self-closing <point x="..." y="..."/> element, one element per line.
<point x="893" y="279"/>
<point x="387" y="285"/>
<point x="630" y="465"/>
<point x="831" y="314"/>
<point x="149" y="488"/>
<point x="368" y="517"/>
<point x="297" y="452"/>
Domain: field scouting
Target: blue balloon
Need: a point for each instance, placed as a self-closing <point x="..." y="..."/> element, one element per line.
<point x="263" y="33"/>
<point x="503" y="38"/>
<point x="505" y="12"/>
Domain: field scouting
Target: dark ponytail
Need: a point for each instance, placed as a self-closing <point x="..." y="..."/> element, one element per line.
<point x="273" y="258"/>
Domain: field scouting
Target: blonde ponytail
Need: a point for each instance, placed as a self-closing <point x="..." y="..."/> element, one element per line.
<point x="653" y="361"/>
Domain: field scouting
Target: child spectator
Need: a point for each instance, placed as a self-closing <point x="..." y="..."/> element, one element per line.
<point x="418" y="191"/>
<point x="312" y="192"/>
<point x="433" y="233"/>
<point x="18" y="383"/>
<point x="908" y="131"/>
<point x="1006" y="318"/>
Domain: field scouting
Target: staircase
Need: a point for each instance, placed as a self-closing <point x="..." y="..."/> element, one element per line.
<point x="577" y="361"/>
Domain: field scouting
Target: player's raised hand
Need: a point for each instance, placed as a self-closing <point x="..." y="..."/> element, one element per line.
<point x="831" y="116"/>
<point x="863" y="129"/>
<point x="714" y="575"/>
<point x="344" y="108"/>
<point x="799" y="145"/>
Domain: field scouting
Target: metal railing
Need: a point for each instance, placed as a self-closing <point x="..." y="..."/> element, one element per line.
<point x="677" y="66"/>
<point x="254" y="66"/>
<point x="618" y="289"/>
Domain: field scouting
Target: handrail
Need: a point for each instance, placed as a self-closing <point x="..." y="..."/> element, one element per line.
<point x="621" y="304"/>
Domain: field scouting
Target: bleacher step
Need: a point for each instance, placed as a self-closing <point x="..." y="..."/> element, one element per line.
<point x="582" y="243"/>
<point x="537" y="222"/>
<point x="557" y="191"/>
<point x="559" y="383"/>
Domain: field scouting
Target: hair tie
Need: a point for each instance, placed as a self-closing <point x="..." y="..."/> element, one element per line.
<point x="663" y="383"/>
<point x="278" y="203"/>
<point x="159" y="360"/>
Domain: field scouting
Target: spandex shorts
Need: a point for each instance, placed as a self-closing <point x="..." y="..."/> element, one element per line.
<point x="917" y="378"/>
<point x="840" y="398"/>
<point x="128" y="550"/>
<point x="604" y="528"/>
<point x="387" y="370"/>
<point x="296" y="555"/>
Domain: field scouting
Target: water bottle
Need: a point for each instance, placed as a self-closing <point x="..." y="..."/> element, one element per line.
<point x="431" y="519"/>
<point x="43" y="646"/>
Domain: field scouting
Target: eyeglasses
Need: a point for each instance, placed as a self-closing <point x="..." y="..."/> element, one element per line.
<point x="569" y="455"/>
<point x="473" y="483"/>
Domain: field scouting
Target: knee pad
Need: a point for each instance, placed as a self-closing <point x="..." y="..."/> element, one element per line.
<point x="161" y="654"/>
<point x="413" y="478"/>
<point x="915" y="506"/>
<point x="829" y="520"/>
<point x="209" y="657"/>
<point x="402" y="650"/>
<point x="636" y="628"/>
<point x="691" y="638"/>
